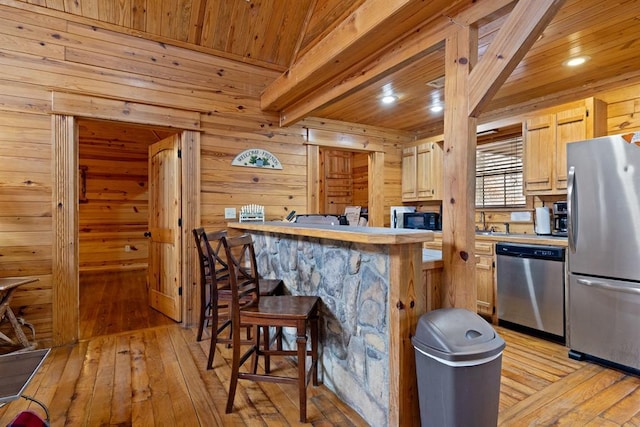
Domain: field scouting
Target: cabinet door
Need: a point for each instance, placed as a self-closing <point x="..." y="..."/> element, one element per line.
<point x="424" y="186"/>
<point x="539" y="143"/>
<point x="484" y="283"/>
<point x="429" y="171"/>
<point x="409" y="164"/>
<point x="571" y="125"/>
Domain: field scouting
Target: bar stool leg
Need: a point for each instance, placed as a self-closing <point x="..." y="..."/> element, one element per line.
<point x="301" y="343"/>
<point x="314" y="350"/>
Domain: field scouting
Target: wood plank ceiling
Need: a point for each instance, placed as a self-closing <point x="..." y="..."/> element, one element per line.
<point x="277" y="34"/>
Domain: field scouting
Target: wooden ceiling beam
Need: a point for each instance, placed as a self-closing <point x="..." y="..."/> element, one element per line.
<point x="375" y="23"/>
<point x="421" y="43"/>
<point x="417" y="43"/>
<point x="525" y="24"/>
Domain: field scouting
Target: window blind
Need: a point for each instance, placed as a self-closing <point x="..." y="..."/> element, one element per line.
<point x="499" y="177"/>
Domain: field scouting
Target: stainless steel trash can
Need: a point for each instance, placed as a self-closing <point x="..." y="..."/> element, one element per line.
<point x="458" y="363"/>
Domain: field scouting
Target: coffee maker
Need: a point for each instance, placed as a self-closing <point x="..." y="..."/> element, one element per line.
<point x="559" y="219"/>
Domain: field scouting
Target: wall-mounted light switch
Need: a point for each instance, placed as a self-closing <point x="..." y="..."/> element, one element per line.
<point x="229" y="213"/>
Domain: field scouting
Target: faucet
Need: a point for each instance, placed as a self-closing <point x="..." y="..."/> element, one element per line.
<point x="506" y="227"/>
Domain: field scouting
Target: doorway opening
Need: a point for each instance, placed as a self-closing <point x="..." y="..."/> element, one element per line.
<point x="112" y="222"/>
<point x="343" y="180"/>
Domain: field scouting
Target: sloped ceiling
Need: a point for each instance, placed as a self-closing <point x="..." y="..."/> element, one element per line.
<point x="278" y="34"/>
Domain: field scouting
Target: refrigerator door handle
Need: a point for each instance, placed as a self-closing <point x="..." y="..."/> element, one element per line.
<point x="571" y="180"/>
<point x="609" y="286"/>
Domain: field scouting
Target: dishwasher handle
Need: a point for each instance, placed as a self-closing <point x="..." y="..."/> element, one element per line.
<point x="609" y="286"/>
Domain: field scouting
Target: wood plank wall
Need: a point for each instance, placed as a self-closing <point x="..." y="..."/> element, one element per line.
<point x="360" y="170"/>
<point x="43" y="52"/>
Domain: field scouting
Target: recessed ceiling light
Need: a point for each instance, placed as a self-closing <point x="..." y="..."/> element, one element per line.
<point x="574" y="62"/>
<point x="436" y="108"/>
<point x="389" y="99"/>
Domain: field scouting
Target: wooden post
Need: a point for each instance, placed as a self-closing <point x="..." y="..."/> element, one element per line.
<point x="407" y="302"/>
<point x="458" y="206"/>
<point x="375" y="185"/>
<point x="468" y="88"/>
<point x="66" y="300"/>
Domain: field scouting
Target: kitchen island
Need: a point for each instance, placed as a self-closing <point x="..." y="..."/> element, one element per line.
<point x="370" y="283"/>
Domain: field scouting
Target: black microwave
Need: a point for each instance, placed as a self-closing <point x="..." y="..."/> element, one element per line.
<point x="422" y="220"/>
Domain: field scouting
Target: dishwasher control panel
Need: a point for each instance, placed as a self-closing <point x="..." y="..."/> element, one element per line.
<point x="520" y="250"/>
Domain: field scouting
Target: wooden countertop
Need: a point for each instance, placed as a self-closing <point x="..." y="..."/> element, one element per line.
<point x="431" y="259"/>
<point x="370" y="235"/>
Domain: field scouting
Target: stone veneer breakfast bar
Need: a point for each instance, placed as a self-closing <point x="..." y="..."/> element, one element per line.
<point x="370" y="283"/>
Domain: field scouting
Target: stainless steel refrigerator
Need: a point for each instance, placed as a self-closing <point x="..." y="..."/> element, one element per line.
<point x="603" y="196"/>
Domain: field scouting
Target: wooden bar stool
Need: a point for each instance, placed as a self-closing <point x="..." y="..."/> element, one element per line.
<point x="210" y="270"/>
<point x="249" y="307"/>
<point x="214" y="288"/>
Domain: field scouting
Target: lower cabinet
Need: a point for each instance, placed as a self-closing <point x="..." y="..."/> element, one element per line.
<point x="485" y="278"/>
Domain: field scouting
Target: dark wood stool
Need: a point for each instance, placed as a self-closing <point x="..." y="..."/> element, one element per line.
<point x="249" y="307"/>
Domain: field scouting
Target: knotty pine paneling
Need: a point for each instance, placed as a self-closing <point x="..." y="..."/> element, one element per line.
<point x="392" y="179"/>
<point x="360" y="170"/>
<point x="112" y="65"/>
<point x="25" y="208"/>
<point x="223" y="185"/>
<point x="623" y="110"/>
<point x="116" y="66"/>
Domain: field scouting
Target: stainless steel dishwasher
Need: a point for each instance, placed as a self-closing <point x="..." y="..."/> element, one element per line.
<point x="531" y="288"/>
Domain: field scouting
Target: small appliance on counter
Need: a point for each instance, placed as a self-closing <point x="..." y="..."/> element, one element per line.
<point x="397" y="215"/>
<point x="543" y="221"/>
<point x="560" y="219"/>
<point x="422" y="220"/>
<point x="326" y="219"/>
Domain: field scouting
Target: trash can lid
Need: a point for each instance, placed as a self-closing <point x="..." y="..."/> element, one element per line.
<point x="456" y="334"/>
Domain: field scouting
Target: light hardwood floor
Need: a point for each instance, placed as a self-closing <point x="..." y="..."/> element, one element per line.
<point x="157" y="376"/>
<point x="116" y="302"/>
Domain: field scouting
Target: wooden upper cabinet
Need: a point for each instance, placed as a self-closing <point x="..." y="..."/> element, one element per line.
<point x="409" y="176"/>
<point x="539" y="140"/>
<point x="429" y="171"/>
<point x="422" y="173"/>
<point x="545" y="143"/>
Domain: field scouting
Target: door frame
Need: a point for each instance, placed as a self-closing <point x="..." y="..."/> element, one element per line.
<point x="375" y="177"/>
<point x="66" y="109"/>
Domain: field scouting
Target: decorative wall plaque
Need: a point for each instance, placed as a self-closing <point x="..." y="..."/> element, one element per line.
<point x="257" y="158"/>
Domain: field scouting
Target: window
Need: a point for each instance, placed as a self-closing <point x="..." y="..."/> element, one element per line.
<point x="499" y="174"/>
